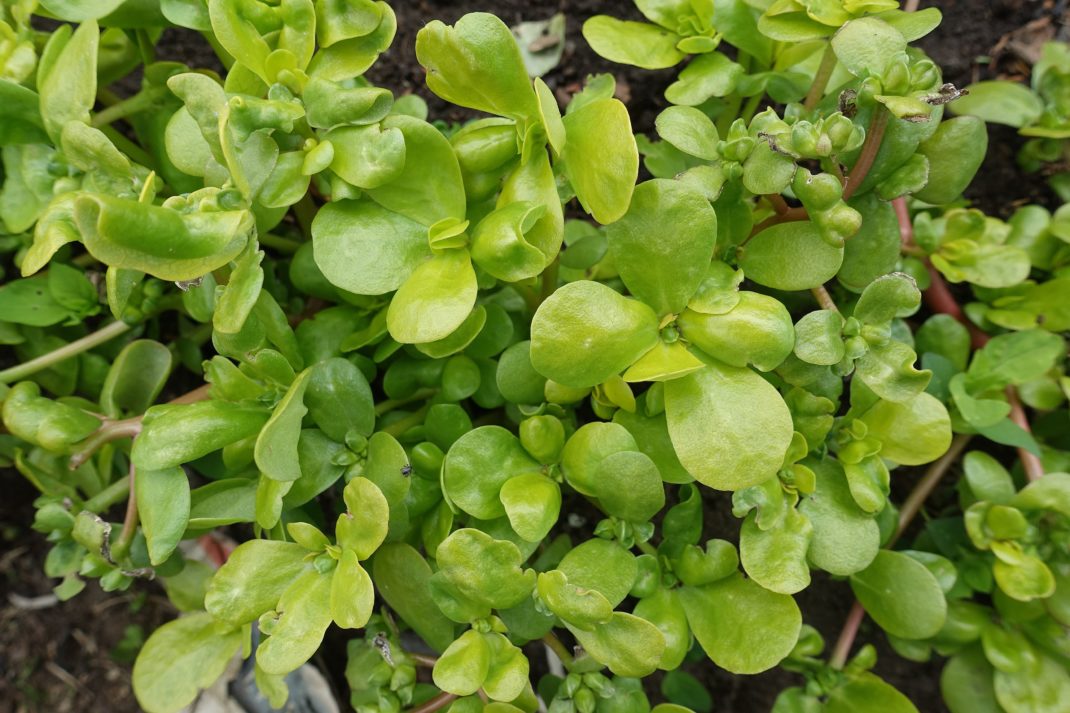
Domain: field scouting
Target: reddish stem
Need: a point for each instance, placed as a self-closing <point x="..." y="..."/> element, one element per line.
<point x="870" y="147"/>
<point x="439" y="701"/>
<point x="1034" y="469"/>
<point x="847" y="636"/>
<point x="940" y="300"/>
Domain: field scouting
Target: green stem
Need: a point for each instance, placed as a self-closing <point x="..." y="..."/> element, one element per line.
<point x="108" y="497"/>
<point x="145" y="46"/>
<point x="305" y="211"/>
<point x="126" y="536"/>
<point x="751" y="107"/>
<point x="391" y="404"/>
<point x="549" y="281"/>
<point x="647" y="548"/>
<point x="110" y="431"/>
<point x="142" y="101"/>
<point x="89" y="341"/>
<point x="558" y="648"/>
<point x="406" y="422"/>
<point x="279" y="243"/>
<point x="729" y="115"/>
<point x="128" y="147"/>
<point x="821" y="79"/>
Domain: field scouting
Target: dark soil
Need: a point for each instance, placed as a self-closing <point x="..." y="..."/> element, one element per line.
<point x="63" y="658"/>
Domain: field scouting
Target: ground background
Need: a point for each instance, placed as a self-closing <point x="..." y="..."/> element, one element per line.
<point x="76" y="656"/>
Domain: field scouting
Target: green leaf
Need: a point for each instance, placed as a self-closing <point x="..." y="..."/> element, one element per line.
<point x="689" y="130"/>
<point x="663" y="244"/>
<point x="1052" y="492"/>
<point x="1040" y="687"/>
<point x="484" y="570"/>
<point x="845" y="539"/>
<point x="819" y="339"/>
<point x="28" y="301"/>
<point x="987" y="478"/>
<point x="435" y="299"/>
<point x="587" y="447"/>
<point x="430" y="187"/>
<point x="776" y="558"/>
<point x="339" y="399"/>
<point x="363" y="527"/>
<point x="628" y="645"/>
<point x="479" y="464"/>
<point x="581" y="607"/>
<point x="402" y="578"/>
<point x="757" y="331"/>
<point x="173" y="435"/>
<point x="352" y="594"/>
<point x="163" y="506"/>
<point x="253" y="579"/>
<point x="601" y="158"/>
<point x="629" y="486"/>
<point x="663" y="363"/>
<point x="603" y="566"/>
<point x="982" y="264"/>
<point x="463" y="667"/>
<point x="533" y="503"/>
<point x="157" y="240"/>
<point x="888" y="370"/>
<point x="706" y="76"/>
<point x="901" y="595"/>
<point x="729" y="426"/>
<point x="1000" y="102"/>
<point x="136" y="377"/>
<point x="635" y="43"/>
<point x="790" y="256"/>
<point x="955" y="153"/>
<point x="477" y="64"/>
<point x="584" y="333"/>
<point x="276" y="446"/>
<point x="867" y="45"/>
<point x="304" y="615"/>
<point x="367" y="156"/>
<point x="508" y="675"/>
<point x="742" y="627"/>
<point x="911" y="432"/>
<point x="364" y="248"/>
<point x="68" y="88"/>
<point x="180" y="658"/>
<point x="888" y="297"/>
<point x="978" y="412"/>
<point x="1013" y="358"/>
<point x="966" y="683"/>
<point x="867" y="693"/>
<point x="766" y="170"/>
<point x="664" y="610"/>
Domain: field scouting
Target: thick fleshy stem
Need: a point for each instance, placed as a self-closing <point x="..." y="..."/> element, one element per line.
<point x="911" y="507"/>
<point x="130" y="520"/>
<point x="558" y="648"/>
<point x="824" y="298"/>
<point x="89" y="341"/>
<point x="940" y="300"/>
<point x="821" y="79"/>
<point x="438" y="702"/>
<point x="868" y="154"/>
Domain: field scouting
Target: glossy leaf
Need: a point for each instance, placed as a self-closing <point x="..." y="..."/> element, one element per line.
<point x="729" y="427"/>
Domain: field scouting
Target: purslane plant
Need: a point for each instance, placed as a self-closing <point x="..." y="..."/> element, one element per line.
<point x="448" y="405"/>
